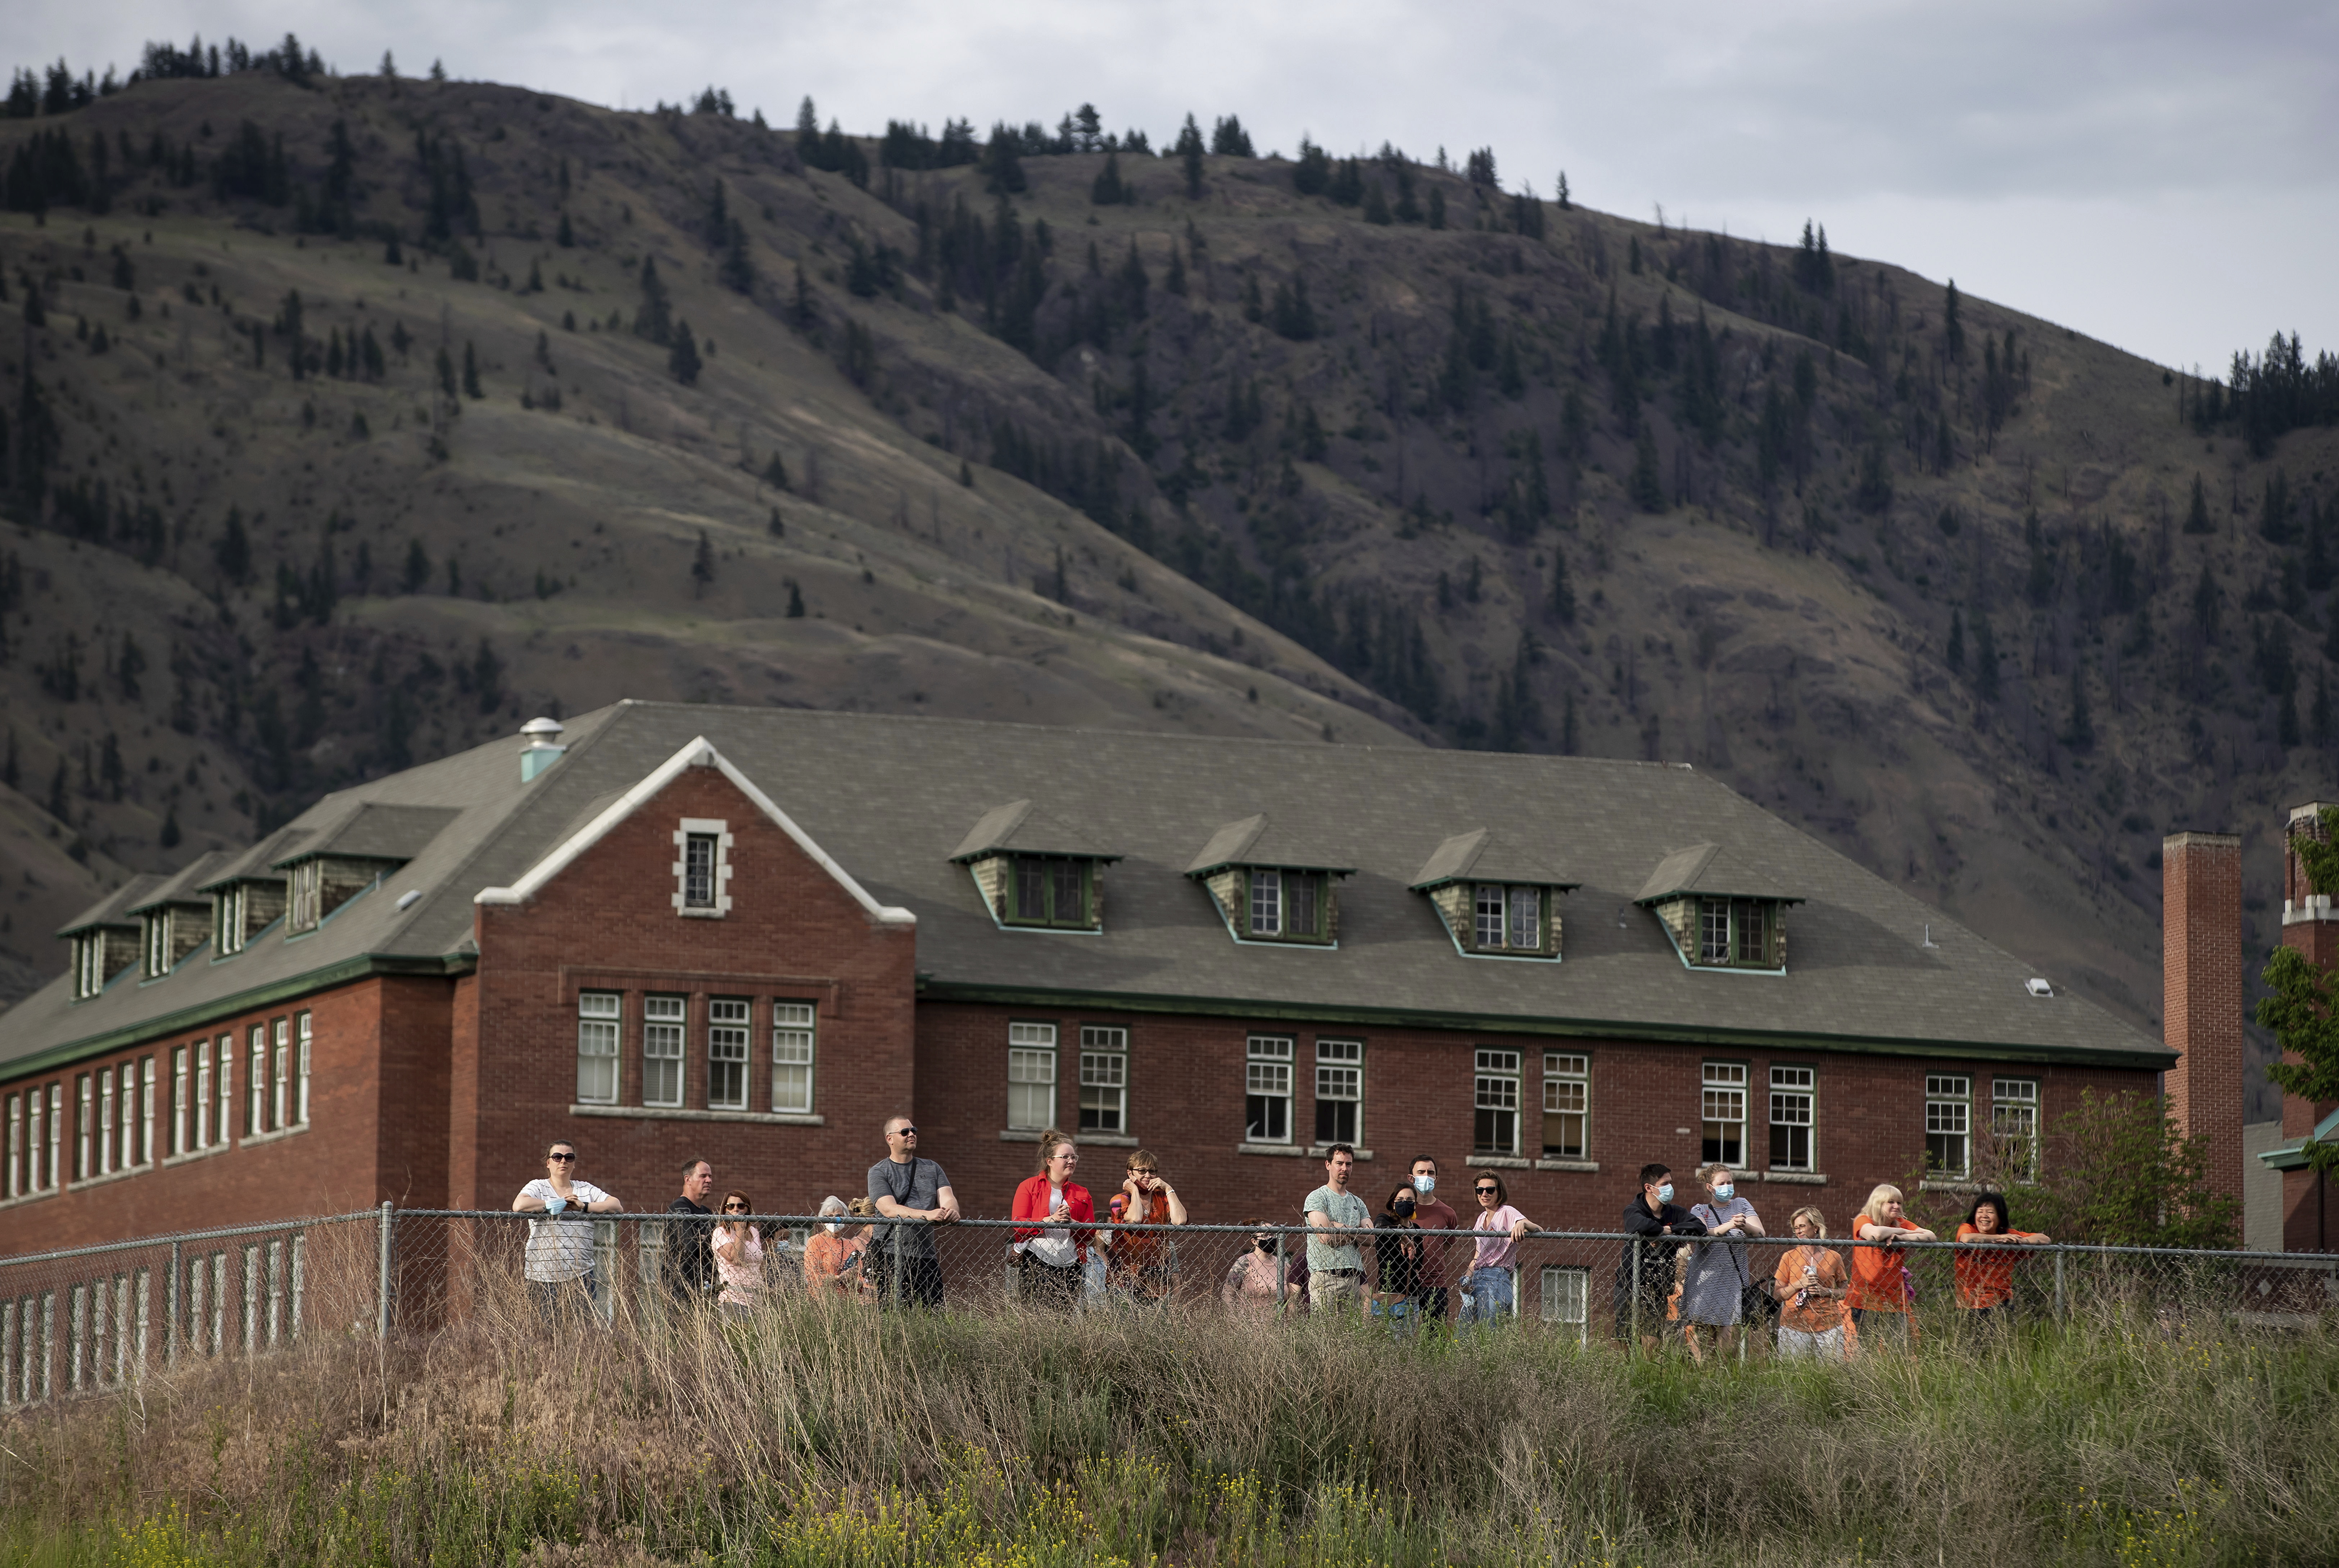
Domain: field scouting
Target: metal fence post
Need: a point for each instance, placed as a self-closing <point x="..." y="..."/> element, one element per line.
<point x="1636" y="1287"/>
<point x="1282" y="1277"/>
<point x="170" y="1310"/>
<point x="2060" y="1306"/>
<point x="385" y="1249"/>
<point x="895" y="1285"/>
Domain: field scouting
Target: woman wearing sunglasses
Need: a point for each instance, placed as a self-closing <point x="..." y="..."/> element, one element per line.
<point x="1491" y="1287"/>
<point x="738" y="1257"/>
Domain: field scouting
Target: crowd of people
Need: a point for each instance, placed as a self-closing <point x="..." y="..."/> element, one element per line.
<point x="1689" y="1275"/>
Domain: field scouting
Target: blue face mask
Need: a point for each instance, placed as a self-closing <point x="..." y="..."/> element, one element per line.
<point x="1666" y="1193"/>
<point x="1726" y="1191"/>
<point x="1425" y="1184"/>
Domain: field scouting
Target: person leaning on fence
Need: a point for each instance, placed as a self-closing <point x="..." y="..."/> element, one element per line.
<point x="1048" y="1261"/>
<point x="559" y="1260"/>
<point x="1144" y="1263"/>
<point x="915" y="1194"/>
<point x="1810" y="1285"/>
<point x="1716" y="1296"/>
<point x="1432" y="1213"/>
<point x="1986" y="1258"/>
<point x="739" y="1256"/>
<point x="1397" y="1259"/>
<point x="1338" y="1221"/>
<point x="1883" y="1296"/>
<point x="686" y="1258"/>
<point x="1492" y="1289"/>
<point x="831" y="1259"/>
<point x="1255" y="1285"/>
<point x="1661" y="1227"/>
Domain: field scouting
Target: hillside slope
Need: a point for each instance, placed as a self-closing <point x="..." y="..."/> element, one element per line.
<point x="1234" y="460"/>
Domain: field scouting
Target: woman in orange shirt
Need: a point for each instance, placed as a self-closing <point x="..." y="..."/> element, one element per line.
<point x="831" y="1259"/>
<point x="1984" y="1266"/>
<point x="1142" y="1262"/>
<point x="1881" y="1297"/>
<point x="1809" y="1285"/>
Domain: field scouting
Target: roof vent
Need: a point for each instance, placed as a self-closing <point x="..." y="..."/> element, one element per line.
<point x="2038" y="987"/>
<point x="542" y="751"/>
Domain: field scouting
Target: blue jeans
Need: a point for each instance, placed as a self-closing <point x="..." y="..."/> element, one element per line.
<point x="1486" y="1295"/>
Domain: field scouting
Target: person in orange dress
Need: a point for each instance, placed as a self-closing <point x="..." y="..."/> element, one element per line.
<point x="1880" y="1297"/>
<point x="831" y="1261"/>
<point x="1811" y="1284"/>
<point x="1986" y="1259"/>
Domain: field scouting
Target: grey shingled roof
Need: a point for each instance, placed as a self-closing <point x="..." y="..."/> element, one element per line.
<point x="371" y="832"/>
<point x="1257" y="839"/>
<point x="1858" y="975"/>
<point x="1024" y="828"/>
<point x="1481" y="856"/>
<point x="114" y="908"/>
<point x="1711" y="870"/>
<point x="184" y="886"/>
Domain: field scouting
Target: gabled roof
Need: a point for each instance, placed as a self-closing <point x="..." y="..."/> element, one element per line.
<point x="1712" y="871"/>
<point x="253" y="864"/>
<point x="113" y="909"/>
<point x="184" y="885"/>
<point x="1480" y="856"/>
<point x="1019" y="828"/>
<point x="369" y="831"/>
<point x="1256" y="840"/>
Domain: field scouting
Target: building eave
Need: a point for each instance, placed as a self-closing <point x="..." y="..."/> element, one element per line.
<point x="932" y="989"/>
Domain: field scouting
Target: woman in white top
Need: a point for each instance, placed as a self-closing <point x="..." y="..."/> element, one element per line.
<point x="1492" y="1285"/>
<point x="559" y="1259"/>
<point x="1049" y="1259"/>
<point x="738" y="1257"/>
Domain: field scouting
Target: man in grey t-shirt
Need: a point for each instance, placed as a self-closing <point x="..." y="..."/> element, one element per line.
<point x="906" y="1188"/>
<point x="1338" y="1221"/>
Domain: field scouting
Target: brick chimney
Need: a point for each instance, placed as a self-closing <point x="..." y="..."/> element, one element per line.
<point x="2201" y="993"/>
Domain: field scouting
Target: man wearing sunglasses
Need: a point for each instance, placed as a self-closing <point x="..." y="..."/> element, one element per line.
<point x="687" y="1261"/>
<point x="904" y="1187"/>
<point x="559" y="1265"/>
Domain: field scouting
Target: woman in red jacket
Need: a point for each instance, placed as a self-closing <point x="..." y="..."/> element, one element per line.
<point x="1047" y="1257"/>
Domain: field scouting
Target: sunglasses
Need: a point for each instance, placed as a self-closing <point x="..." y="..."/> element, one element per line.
<point x="1485" y="1190"/>
<point x="905" y="1132"/>
<point x="734" y="1209"/>
<point x="563" y="1158"/>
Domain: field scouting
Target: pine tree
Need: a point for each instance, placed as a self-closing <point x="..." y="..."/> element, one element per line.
<point x="1985" y="659"/>
<point x="169" y="838"/>
<point x="1562" y="598"/>
<point x="1106" y="190"/>
<point x="1953" y="331"/>
<point x="472" y="372"/>
<point x="776" y="472"/>
<point x="702" y="566"/>
<point x="1189" y="155"/>
<point x="654" y="319"/>
<point x="2197" y="516"/>
<point x="417" y="567"/>
<point x="1438" y="220"/>
<point x="568" y="236"/>
<point x="1376" y="207"/>
<point x="1565" y="203"/>
<point x="682" y="361"/>
<point x="796" y="601"/>
<point x="233" y="551"/>
<point x="1647" y="486"/>
<point x="1957" y="648"/>
<point x="2079" y="733"/>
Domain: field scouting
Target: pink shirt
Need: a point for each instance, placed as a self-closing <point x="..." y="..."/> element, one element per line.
<point x="1492" y="1253"/>
<point x="743" y="1281"/>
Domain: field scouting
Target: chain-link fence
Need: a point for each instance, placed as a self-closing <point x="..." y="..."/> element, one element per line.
<point x="97" y="1318"/>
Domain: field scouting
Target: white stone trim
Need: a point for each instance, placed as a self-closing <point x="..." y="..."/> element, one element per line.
<point x="699" y="752"/>
<point x="720" y="831"/>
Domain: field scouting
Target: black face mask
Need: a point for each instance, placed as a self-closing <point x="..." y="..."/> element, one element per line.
<point x="1402" y="1208"/>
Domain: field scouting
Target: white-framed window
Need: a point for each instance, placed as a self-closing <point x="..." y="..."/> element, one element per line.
<point x="792" y="1056"/>
<point x="56" y="1133"/>
<point x="1509" y="917"/>
<point x="227" y="919"/>
<point x="727" y="1054"/>
<point x="1267" y="1089"/>
<point x="280" y="1103"/>
<point x="1340" y="1090"/>
<point x="1104" y="1078"/>
<point x="1566" y="1297"/>
<point x="1286" y="904"/>
<point x="1494" y="1103"/>
<point x="201" y="1136"/>
<point x="1566" y="1105"/>
<point x="1721" y="1110"/>
<point x="89" y="964"/>
<point x="127" y="1145"/>
<point x="15" y="1144"/>
<point x="1737" y="933"/>
<point x="303" y="1037"/>
<point x="2014" y="1121"/>
<point x="305" y="906"/>
<point x="662" y="1027"/>
<point x="158" y="943"/>
<point x="599" y="1014"/>
<point x="1948" y="1122"/>
<point x="1794" y="1092"/>
<point x="702" y="867"/>
<point x="106" y="1076"/>
<point x="255" y="1083"/>
<point x="180" y="1086"/>
<point x="1490" y="906"/>
<point x="1266" y="904"/>
<point x="222" y="1114"/>
<point x="1030" y="1077"/>
<point x="82" y="1132"/>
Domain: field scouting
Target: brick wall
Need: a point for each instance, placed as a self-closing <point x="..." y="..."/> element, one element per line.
<point x="2202" y="998"/>
<point x="607" y="923"/>
<point x="2311" y="925"/>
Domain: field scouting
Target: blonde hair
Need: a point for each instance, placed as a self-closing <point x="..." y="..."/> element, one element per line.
<point x="1874" y="1207"/>
<point x="1818" y="1221"/>
<point x="1053" y="1140"/>
<point x="1708" y="1173"/>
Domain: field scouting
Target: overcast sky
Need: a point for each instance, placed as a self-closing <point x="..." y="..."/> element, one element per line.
<point x="2161" y="175"/>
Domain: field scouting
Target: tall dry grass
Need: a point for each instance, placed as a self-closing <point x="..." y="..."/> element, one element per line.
<point x="827" y="1432"/>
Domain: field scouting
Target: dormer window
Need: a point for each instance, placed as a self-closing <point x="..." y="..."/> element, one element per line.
<point x="90" y="969"/>
<point x="228" y="906"/>
<point x="159" y="958"/>
<point x="307" y="895"/>
<point x="1495" y="901"/>
<point x="1271" y="884"/>
<point x="1035" y="873"/>
<point x="1718" y="914"/>
<point x="1051" y="890"/>
<point x="1288" y="905"/>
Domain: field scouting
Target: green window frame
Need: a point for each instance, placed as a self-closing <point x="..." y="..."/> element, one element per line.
<point x="1049" y="890"/>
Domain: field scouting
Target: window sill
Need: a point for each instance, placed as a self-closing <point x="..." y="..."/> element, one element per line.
<point x="194" y="1154"/>
<point x="1796" y="1177"/>
<point x="1316" y="1152"/>
<point x="1587" y="1167"/>
<point x="109" y="1178"/>
<point x="702" y="913"/>
<point x="250" y="1139"/>
<point x="1501" y="1162"/>
<point x="25" y="1197"/>
<point x="1102" y="1140"/>
<point x="676" y="1113"/>
<point x="1949" y="1183"/>
<point x="1295" y="1150"/>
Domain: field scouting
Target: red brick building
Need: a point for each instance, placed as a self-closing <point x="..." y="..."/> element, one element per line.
<point x="2310" y="1218"/>
<point x="753" y="934"/>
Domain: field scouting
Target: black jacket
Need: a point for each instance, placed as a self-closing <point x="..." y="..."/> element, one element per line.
<point x="1657" y="1254"/>
<point x="687" y="1261"/>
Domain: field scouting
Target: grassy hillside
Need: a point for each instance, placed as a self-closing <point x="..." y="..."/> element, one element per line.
<point x="1306" y="473"/>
